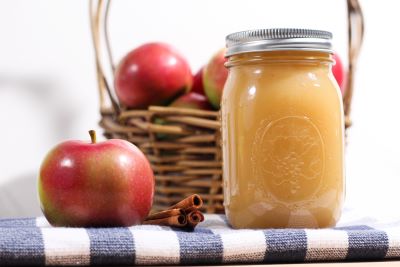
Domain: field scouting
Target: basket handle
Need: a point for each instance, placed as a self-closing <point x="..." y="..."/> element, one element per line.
<point x="108" y="104"/>
<point x="355" y="37"/>
<point x="98" y="14"/>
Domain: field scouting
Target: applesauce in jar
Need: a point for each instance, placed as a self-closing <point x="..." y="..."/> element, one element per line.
<point x="282" y="130"/>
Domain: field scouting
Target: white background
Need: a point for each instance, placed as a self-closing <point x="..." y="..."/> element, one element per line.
<point x="48" y="87"/>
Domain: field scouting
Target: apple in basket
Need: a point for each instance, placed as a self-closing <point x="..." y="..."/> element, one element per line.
<point x="192" y="100"/>
<point x="338" y="72"/>
<point x="90" y="184"/>
<point x="152" y="74"/>
<point x="198" y="86"/>
<point x="214" y="76"/>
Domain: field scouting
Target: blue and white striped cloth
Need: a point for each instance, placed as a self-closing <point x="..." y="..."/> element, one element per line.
<point x="33" y="241"/>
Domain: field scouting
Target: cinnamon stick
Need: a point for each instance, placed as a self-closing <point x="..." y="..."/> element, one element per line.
<point x="194" y="218"/>
<point x="184" y="214"/>
<point x="176" y="220"/>
<point x="165" y="214"/>
<point x="193" y="201"/>
<point x="189" y="210"/>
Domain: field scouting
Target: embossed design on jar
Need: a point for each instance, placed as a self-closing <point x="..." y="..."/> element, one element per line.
<point x="288" y="158"/>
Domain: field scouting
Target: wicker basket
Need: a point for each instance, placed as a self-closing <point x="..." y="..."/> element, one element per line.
<point x="185" y="150"/>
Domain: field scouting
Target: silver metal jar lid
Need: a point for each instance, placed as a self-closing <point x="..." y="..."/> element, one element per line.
<point x="278" y="39"/>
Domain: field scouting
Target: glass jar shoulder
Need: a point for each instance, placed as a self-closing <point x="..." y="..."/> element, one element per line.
<point x="288" y="83"/>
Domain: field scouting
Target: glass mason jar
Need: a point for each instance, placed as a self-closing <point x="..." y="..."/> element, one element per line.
<point x="282" y="130"/>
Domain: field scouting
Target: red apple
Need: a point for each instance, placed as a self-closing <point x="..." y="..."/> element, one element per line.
<point x="339" y="72"/>
<point x="198" y="82"/>
<point x="192" y="100"/>
<point x="152" y="74"/>
<point x="214" y="77"/>
<point x="84" y="184"/>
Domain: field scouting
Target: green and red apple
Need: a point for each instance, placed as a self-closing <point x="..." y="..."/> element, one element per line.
<point x="90" y="184"/>
<point x="152" y="74"/>
<point x="214" y="76"/>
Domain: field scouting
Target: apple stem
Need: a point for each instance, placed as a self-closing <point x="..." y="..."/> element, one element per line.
<point x="92" y="134"/>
